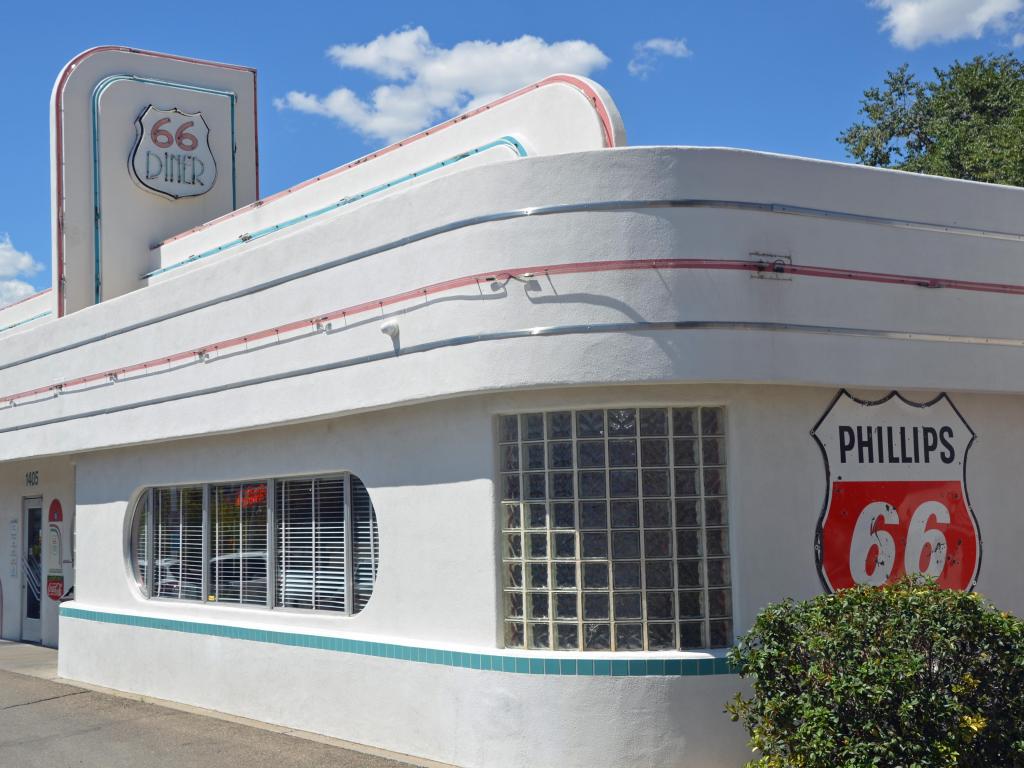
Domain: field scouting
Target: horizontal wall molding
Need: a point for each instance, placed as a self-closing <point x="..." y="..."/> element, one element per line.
<point x="606" y="206"/>
<point x="520" y="333"/>
<point x="484" y="662"/>
<point x="319" y="322"/>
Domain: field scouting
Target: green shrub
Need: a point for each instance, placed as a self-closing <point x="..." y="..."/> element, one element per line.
<point x="904" y="676"/>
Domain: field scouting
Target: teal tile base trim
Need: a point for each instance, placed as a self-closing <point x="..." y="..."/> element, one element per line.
<point x="527" y="665"/>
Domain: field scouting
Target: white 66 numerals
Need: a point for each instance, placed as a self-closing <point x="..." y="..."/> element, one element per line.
<point x="873" y="549"/>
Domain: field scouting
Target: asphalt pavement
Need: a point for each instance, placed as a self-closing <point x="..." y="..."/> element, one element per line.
<point x="45" y="723"/>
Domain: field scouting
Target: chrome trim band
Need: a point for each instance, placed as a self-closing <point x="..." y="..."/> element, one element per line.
<point x="550" y="210"/>
<point x="563" y="330"/>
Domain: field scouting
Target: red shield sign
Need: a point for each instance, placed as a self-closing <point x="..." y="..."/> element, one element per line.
<point x="55" y="586"/>
<point x="172" y="155"/>
<point x="897" y="500"/>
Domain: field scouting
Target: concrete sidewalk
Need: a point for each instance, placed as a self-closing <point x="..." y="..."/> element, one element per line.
<point x="46" y="722"/>
<point x="28" y="659"/>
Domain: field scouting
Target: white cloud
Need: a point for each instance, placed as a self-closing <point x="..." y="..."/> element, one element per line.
<point x="15" y="264"/>
<point x="429" y="83"/>
<point x="646" y="52"/>
<point x="14" y="290"/>
<point x="1018" y="40"/>
<point x="913" y="23"/>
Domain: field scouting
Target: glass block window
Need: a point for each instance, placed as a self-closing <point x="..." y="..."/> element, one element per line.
<point x="614" y="529"/>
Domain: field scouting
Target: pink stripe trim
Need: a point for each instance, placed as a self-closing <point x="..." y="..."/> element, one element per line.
<point x="602" y="111"/>
<point x="311" y="323"/>
<point x="27" y="298"/>
<point x="59" y="135"/>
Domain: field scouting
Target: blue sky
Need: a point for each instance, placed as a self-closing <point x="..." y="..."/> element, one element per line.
<point x="777" y="76"/>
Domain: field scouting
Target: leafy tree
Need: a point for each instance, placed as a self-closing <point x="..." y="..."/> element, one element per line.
<point x="905" y="676"/>
<point x="967" y="123"/>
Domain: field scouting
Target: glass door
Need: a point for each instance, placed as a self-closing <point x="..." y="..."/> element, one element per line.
<point x="32" y="570"/>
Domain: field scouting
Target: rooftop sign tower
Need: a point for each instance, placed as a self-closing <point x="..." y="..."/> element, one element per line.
<point x="144" y="146"/>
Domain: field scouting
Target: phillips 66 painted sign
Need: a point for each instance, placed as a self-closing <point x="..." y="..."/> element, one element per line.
<point x="897" y="498"/>
<point x="172" y="155"/>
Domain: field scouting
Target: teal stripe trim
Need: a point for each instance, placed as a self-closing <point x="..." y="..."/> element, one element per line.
<point x="26" y="321"/>
<point x="485" y="662"/>
<point x="504" y="141"/>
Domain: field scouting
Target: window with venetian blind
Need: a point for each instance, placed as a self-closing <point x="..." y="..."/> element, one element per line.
<point x="299" y="543"/>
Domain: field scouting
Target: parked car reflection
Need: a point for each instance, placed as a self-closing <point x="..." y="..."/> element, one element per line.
<point x="239" y="577"/>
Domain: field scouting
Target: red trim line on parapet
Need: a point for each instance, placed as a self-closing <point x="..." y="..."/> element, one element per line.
<point x="312" y="323"/>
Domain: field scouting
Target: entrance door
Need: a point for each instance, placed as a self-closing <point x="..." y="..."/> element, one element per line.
<point x="32" y="570"/>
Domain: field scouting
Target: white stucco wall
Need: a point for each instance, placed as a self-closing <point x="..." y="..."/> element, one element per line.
<point x="463" y="717"/>
<point x="430" y="471"/>
<point x="908" y="282"/>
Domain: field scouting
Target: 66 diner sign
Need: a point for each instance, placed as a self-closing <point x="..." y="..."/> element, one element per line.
<point x="897" y="498"/>
<point x="172" y="155"/>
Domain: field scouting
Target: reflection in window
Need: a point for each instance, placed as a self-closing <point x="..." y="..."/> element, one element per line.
<point x="238" y="543"/>
<point x="178" y="543"/>
<point x="303" y="543"/>
<point x="311" y="544"/>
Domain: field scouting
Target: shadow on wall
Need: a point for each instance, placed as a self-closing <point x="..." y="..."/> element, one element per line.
<point x="442" y="442"/>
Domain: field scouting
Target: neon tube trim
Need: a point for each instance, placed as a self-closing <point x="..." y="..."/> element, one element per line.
<point x="97" y="217"/>
<point x="506" y="141"/>
<point x="607" y="130"/>
<point x="376" y="305"/>
<point x="26" y="321"/>
<point x="603" y="206"/>
<point x="35" y="295"/>
<point x="540" y="331"/>
<point x="58" y="121"/>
